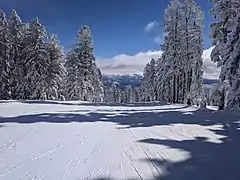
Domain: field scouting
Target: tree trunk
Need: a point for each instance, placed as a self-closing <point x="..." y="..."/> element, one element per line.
<point x="177" y="89"/>
<point x="174" y="88"/>
<point x="222" y="101"/>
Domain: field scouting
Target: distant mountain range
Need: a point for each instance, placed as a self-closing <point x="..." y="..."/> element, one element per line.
<point x="123" y="80"/>
<point x="135" y="80"/>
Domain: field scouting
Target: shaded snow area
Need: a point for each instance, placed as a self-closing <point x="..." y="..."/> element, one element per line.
<point x="73" y="141"/>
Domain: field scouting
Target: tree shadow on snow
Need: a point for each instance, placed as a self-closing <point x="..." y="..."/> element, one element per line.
<point x="127" y="110"/>
<point x="204" y="117"/>
<point x="208" y="160"/>
<point x="82" y="103"/>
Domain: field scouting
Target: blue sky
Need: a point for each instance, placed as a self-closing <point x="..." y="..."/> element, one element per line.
<point x="118" y="26"/>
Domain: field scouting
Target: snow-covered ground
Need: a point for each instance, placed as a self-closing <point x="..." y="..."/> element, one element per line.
<point x="50" y="140"/>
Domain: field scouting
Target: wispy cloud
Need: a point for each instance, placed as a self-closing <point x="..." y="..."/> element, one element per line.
<point x="134" y="64"/>
<point x="155" y="31"/>
<point x="151" y="26"/>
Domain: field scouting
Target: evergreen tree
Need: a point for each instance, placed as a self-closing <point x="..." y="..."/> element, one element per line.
<point x="98" y="85"/>
<point x="106" y="94"/>
<point x="83" y="76"/>
<point x="179" y="70"/>
<point x="36" y="61"/>
<point x="148" y="86"/>
<point x="135" y="95"/>
<point x="85" y="67"/>
<point x="126" y="95"/>
<point x="16" y="35"/>
<point x="196" y="44"/>
<point x="216" y="97"/>
<point x="115" y="92"/>
<point x="4" y="57"/>
<point x="72" y="83"/>
<point x="55" y="69"/>
<point x="233" y="65"/>
<point x="172" y="46"/>
<point x="225" y="33"/>
<point x="163" y="86"/>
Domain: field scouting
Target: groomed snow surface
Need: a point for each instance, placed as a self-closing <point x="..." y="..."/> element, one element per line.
<point x="47" y="140"/>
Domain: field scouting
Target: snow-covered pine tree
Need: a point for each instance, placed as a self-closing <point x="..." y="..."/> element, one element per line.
<point x="215" y="97"/>
<point x="148" y="85"/>
<point x="233" y="64"/>
<point x="126" y="94"/>
<point x="130" y="94"/>
<point x="16" y="35"/>
<point x="172" y="46"/>
<point x="112" y="93"/>
<point x="152" y="80"/>
<point x="179" y="70"/>
<point x="194" y="49"/>
<point x="135" y="94"/>
<point x="122" y="96"/>
<point x="85" y="71"/>
<point x="107" y="93"/>
<point x="55" y="69"/>
<point x="4" y="57"/>
<point x="115" y="93"/>
<point x="97" y="84"/>
<point x="163" y="84"/>
<point x="226" y="12"/>
<point x="35" y="57"/>
<point x="144" y="91"/>
<point x="83" y="77"/>
<point x="72" y="88"/>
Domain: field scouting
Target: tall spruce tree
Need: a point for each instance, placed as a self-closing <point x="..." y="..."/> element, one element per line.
<point x="148" y="86"/>
<point x="195" y="51"/>
<point x="233" y="64"/>
<point x="83" y="78"/>
<point x="179" y="70"/>
<point x="225" y="32"/>
<point x="4" y="57"/>
<point x="35" y="57"/>
<point x="72" y="88"/>
<point x="16" y="35"/>
<point x="55" y="69"/>
<point x="172" y="45"/>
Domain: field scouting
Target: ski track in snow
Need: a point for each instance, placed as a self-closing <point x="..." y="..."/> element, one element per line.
<point x="36" y="157"/>
<point x="87" y="150"/>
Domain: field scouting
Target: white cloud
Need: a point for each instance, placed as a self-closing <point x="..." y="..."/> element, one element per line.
<point x="152" y="26"/>
<point x="158" y="39"/>
<point x="127" y="64"/>
<point x="155" y="31"/>
<point x="134" y="64"/>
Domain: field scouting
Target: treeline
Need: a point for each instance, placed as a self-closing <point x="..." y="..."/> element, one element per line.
<point x="177" y="76"/>
<point x="115" y="94"/>
<point x="32" y="64"/>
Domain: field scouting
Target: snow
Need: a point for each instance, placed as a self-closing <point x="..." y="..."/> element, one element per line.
<point x="69" y="140"/>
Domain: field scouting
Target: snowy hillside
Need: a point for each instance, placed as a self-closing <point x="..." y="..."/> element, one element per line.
<point x="135" y="80"/>
<point x="50" y="140"/>
<point x="123" y="80"/>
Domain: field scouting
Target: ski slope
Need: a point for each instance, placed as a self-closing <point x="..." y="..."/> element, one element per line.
<point x="49" y="140"/>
